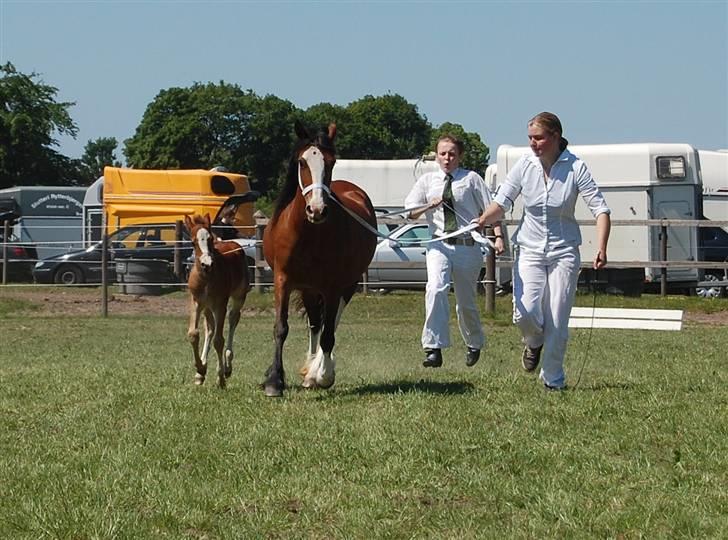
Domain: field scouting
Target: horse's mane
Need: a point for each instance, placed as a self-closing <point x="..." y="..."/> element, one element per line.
<point x="288" y="191"/>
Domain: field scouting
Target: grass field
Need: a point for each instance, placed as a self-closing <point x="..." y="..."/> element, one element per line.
<point x="104" y="435"/>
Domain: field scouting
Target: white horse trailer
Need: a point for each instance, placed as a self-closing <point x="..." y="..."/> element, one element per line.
<point x="714" y="171"/>
<point x="639" y="181"/>
<point x="386" y="181"/>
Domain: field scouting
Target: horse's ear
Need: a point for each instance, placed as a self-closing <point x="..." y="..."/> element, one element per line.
<point x="188" y="223"/>
<point x="207" y="221"/>
<point x="332" y="131"/>
<point x="301" y="130"/>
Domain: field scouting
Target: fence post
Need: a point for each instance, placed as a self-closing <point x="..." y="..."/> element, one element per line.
<point x="490" y="282"/>
<point x="6" y="235"/>
<point x="260" y="221"/>
<point x="104" y="268"/>
<point x="663" y="257"/>
<point x="178" y="249"/>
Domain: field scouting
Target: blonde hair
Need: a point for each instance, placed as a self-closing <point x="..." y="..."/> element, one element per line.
<point x="551" y="123"/>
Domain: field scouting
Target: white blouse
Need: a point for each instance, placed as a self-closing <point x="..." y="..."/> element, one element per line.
<point x="548" y="221"/>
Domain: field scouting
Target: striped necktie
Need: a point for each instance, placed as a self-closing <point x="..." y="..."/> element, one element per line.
<point x="451" y="223"/>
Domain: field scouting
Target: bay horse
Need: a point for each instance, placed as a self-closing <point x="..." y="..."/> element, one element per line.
<point x="219" y="277"/>
<point x="316" y="248"/>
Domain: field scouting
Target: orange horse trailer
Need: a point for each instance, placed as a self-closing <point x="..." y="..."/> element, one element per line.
<point x="137" y="196"/>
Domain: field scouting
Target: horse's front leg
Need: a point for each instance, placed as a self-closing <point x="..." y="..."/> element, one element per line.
<point x="323" y="368"/>
<point x="314" y="312"/>
<point x="193" y="336"/>
<point x="275" y="375"/>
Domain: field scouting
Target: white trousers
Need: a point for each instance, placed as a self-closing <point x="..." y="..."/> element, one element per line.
<point x="544" y="287"/>
<point x="462" y="264"/>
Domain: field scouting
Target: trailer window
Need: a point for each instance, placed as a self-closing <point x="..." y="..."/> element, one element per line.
<point x="671" y="167"/>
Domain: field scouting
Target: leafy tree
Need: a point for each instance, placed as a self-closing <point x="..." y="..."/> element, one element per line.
<point x="209" y="125"/>
<point x="30" y="117"/>
<point x="384" y="127"/>
<point x="98" y="154"/>
<point x="476" y="154"/>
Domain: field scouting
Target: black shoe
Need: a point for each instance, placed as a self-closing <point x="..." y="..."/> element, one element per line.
<point x="531" y="358"/>
<point x="433" y="358"/>
<point x="472" y="357"/>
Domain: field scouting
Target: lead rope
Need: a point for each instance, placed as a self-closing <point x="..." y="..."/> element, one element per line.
<point x="591" y="329"/>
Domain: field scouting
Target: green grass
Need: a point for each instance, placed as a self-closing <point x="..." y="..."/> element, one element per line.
<point x="105" y="436"/>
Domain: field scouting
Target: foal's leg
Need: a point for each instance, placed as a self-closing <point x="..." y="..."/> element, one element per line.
<point x="193" y="336"/>
<point x="275" y="376"/>
<point x="209" y="323"/>
<point x="313" y="305"/>
<point x="236" y="304"/>
<point x="218" y="340"/>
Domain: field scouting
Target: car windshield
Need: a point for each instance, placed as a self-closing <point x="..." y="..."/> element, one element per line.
<point x="414" y="235"/>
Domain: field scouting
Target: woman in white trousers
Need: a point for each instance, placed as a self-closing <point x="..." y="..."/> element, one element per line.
<point x="547" y="242"/>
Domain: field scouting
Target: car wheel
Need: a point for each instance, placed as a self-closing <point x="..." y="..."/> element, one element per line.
<point x="68" y="275"/>
<point x="709" y="292"/>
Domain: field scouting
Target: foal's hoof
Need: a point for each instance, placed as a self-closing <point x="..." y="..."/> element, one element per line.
<point x="273" y="391"/>
<point x="199" y="379"/>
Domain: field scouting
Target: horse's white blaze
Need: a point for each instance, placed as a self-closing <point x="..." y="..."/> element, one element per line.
<point x="202" y="238"/>
<point x="315" y="161"/>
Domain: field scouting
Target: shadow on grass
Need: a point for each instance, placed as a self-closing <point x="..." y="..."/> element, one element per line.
<point x="405" y="387"/>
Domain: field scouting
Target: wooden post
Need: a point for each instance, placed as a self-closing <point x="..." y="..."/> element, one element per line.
<point x="6" y="236"/>
<point x="178" y="250"/>
<point x="259" y="228"/>
<point x="104" y="268"/>
<point x="663" y="257"/>
<point x="490" y="282"/>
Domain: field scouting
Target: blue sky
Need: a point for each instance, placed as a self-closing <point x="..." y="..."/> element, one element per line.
<point x="615" y="72"/>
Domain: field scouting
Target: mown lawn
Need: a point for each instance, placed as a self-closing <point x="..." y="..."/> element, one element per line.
<point x="105" y="436"/>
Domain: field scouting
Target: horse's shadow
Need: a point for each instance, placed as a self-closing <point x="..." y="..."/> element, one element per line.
<point x="406" y="387"/>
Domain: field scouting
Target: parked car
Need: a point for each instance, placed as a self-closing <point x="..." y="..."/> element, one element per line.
<point x="404" y="246"/>
<point x="147" y="241"/>
<point x="21" y="259"/>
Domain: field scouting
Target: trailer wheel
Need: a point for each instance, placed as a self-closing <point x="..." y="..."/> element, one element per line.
<point x="68" y="275"/>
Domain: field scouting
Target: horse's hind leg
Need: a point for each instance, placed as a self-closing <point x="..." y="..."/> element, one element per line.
<point x="193" y="336"/>
<point x="314" y="308"/>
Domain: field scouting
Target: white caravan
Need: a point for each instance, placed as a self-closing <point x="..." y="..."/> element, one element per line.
<point x="386" y="181"/>
<point x="639" y="182"/>
<point x="714" y="171"/>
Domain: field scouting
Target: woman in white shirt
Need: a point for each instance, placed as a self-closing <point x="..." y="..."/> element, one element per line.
<point x="547" y="240"/>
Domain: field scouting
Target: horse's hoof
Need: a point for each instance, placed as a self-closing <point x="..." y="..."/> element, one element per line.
<point x="199" y="379"/>
<point x="309" y="383"/>
<point x="273" y="391"/>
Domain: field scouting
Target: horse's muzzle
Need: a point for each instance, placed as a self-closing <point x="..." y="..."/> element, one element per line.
<point x="315" y="215"/>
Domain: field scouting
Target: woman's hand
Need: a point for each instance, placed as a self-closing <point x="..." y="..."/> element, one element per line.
<point x="600" y="259"/>
<point x="500" y="245"/>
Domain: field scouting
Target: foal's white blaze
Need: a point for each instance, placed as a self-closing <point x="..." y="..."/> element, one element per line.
<point x="315" y="161"/>
<point x="203" y="236"/>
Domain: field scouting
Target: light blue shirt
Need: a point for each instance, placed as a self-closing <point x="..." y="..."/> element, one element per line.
<point x="548" y="221"/>
<point x="470" y="197"/>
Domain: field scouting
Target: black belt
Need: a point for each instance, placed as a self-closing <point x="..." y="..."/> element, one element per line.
<point x="460" y="241"/>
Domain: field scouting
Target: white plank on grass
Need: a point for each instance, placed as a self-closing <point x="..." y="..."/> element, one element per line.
<point x="628" y="324"/>
<point x="625" y="313"/>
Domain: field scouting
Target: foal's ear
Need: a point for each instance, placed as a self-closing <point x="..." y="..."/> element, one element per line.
<point x="332" y="131"/>
<point x="188" y="223"/>
<point x="207" y="221"/>
<point x="301" y="131"/>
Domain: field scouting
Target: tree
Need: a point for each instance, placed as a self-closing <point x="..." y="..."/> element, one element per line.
<point x="385" y="127"/>
<point x="30" y="118"/>
<point x="476" y="154"/>
<point x="209" y="125"/>
<point x="98" y="154"/>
